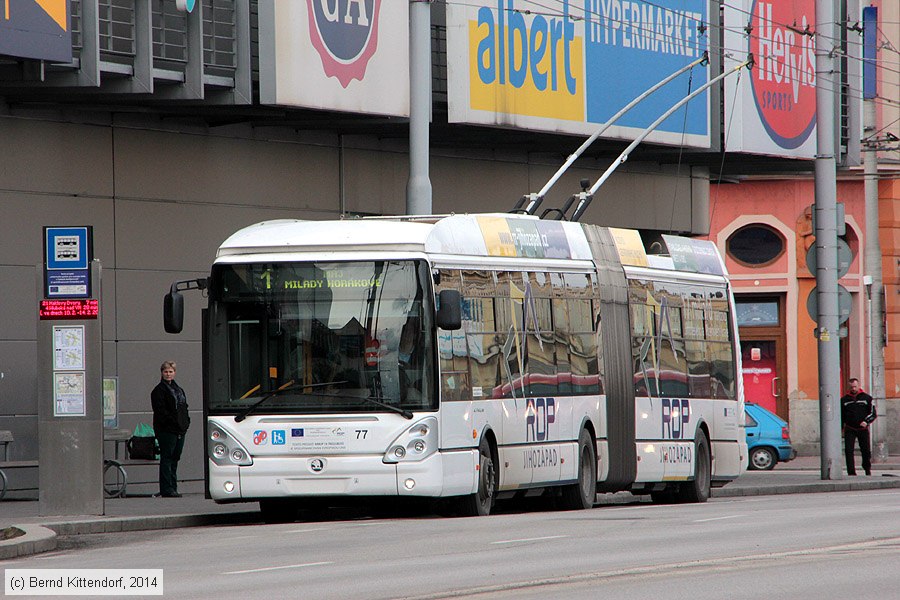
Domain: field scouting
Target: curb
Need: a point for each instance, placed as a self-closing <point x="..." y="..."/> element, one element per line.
<point x="35" y="539"/>
<point x="807" y="488"/>
<point x="43" y="538"/>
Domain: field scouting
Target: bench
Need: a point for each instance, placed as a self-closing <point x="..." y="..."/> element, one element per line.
<point x="116" y="482"/>
<point x="113" y="485"/>
<point x="6" y="438"/>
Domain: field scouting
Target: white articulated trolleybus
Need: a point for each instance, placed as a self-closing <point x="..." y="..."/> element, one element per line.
<point x="468" y="358"/>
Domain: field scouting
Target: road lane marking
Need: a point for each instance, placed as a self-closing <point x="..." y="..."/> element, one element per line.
<point x="725" y="564"/>
<point x="718" y="518"/>
<point x="261" y="569"/>
<point x="307" y="530"/>
<point x="535" y="539"/>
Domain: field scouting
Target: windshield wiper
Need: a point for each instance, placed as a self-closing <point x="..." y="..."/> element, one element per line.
<point x="400" y="411"/>
<point x="290" y="385"/>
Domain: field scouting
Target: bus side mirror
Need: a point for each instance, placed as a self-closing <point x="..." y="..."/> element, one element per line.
<point x="173" y="311"/>
<point x="449" y="315"/>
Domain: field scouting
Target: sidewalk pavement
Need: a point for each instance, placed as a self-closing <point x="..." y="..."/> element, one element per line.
<point x="144" y="512"/>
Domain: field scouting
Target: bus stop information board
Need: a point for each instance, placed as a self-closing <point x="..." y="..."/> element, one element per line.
<point x="67" y="260"/>
<point x="69" y="309"/>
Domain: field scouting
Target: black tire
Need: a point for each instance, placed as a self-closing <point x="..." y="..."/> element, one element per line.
<point x="481" y="502"/>
<point x="698" y="489"/>
<point x="582" y="495"/>
<point x="762" y="459"/>
<point x="278" y="510"/>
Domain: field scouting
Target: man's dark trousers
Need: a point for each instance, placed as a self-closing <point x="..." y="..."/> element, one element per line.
<point x="170" y="447"/>
<point x="850" y="437"/>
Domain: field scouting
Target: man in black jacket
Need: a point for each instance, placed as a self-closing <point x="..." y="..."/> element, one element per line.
<point x="170" y="423"/>
<point x="857" y="413"/>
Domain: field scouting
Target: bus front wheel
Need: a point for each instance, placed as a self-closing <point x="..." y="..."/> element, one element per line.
<point x="481" y="502"/>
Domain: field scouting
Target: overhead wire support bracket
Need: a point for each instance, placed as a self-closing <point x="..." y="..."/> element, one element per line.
<point x="624" y="155"/>
<point x="534" y="200"/>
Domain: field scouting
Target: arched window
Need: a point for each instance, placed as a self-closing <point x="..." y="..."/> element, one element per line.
<point x="755" y="245"/>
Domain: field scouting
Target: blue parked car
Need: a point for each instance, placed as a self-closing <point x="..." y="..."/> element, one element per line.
<point x="768" y="438"/>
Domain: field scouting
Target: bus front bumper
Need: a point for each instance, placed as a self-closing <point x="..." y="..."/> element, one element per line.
<point x="451" y="473"/>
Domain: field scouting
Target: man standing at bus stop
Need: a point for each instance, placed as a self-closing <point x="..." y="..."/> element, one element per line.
<point x="857" y="413"/>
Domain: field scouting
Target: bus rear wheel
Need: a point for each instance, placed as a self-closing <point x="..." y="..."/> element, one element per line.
<point x="481" y="502"/>
<point x="698" y="489"/>
<point x="582" y="494"/>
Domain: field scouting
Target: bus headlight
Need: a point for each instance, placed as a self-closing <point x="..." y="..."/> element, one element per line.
<point x="223" y="449"/>
<point x="419" y="441"/>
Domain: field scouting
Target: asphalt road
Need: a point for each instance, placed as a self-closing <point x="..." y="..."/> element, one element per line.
<point x="821" y="546"/>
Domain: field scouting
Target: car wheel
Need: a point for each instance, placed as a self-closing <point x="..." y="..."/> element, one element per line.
<point x="762" y="459"/>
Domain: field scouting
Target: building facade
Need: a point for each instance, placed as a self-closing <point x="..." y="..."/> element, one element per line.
<point x="167" y="131"/>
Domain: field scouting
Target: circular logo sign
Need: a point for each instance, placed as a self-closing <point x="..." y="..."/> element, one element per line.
<point x="345" y="34"/>
<point x="784" y="76"/>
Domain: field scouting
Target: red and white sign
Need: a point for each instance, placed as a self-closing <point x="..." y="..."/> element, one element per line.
<point x="771" y="109"/>
<point x="346" y="55"/>
<point x="372" y="347"/>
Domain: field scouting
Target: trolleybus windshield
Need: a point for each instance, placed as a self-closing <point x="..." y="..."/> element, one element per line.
<point x="358" y="335"/>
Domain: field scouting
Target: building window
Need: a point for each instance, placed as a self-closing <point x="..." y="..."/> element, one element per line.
<point x="755" y="245"/>
<point x="756" y="313"/>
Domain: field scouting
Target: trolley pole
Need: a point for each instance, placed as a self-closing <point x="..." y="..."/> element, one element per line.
<point x="418" y="188"/>
<point x="827" y="331"/>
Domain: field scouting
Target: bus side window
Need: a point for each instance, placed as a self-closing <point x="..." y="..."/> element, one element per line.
<point x="643" y="347"/>
<point x="540" y="352"/>
<point x="698" y="369"/>
<point x="721" y="370"/>
<point x="598" y="336"/>
<point x="561" y="336"/>
<point x="452" y="344"/>
<point x="483" y="350"/>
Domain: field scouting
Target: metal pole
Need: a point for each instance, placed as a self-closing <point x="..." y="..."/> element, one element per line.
<point x="826" y="246"/>
<point x="418" y="188"/>
<point x="873" y="271"/>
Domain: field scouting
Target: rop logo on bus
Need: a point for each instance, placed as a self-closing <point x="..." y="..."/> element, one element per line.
<point x="345" y="34"/>
<point x="540" y="413"/>
<point x="784" y="78"/>
<point x="676" y="414"/>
